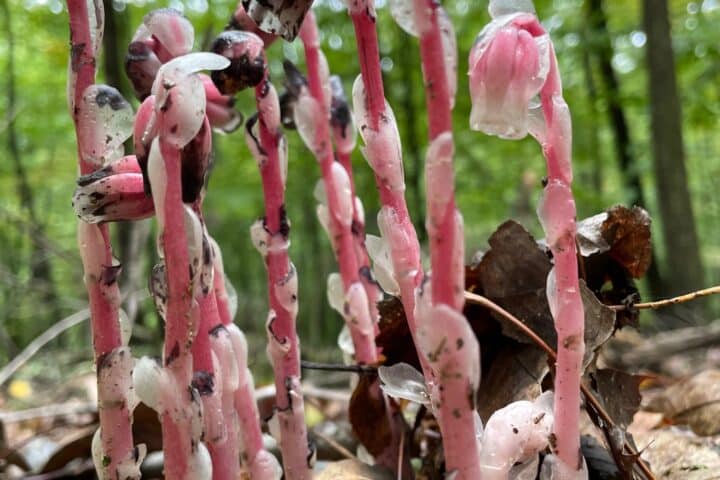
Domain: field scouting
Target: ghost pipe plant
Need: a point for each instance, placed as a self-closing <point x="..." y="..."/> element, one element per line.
<point x="396" y="254"/>
<point x="344" y="138"/>
<point x="444" y="335"/>
<point x="270" y="234"/>
<point x="312" y="118"/>
<point x="512" y="63"/>
<point x="178" y="122"/>
<point x="100" y="115"/>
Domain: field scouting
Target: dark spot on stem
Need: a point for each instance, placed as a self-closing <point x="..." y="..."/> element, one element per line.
<point x="110" y="274"/>
<point x="215" y="331"/>
<point x="203" y="382"/>
<point x="174" y="354"/>
<point x="284" y="229"/>
<point x="109" y="96"/>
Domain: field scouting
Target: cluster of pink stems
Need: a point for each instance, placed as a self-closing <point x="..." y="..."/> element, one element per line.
<point x="203" y="391"/>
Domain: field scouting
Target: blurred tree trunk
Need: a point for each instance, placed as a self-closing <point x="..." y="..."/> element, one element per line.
<point x="41" y="276"/>
<point x="682" y="251"/>
<point x="600" y="46"/>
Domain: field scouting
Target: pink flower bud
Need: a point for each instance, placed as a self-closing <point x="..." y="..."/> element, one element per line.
<point x="163" y="35"/>
<point x="508" y="67"/>
<point x="344" y="132"/>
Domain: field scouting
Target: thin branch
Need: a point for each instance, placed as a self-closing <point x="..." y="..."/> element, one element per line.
<point x="41" y="341"/>
<point x="331" y="367"/>
<point x="587" y="393"/>
<point x="669" y="301"/>
<point x="335" y="445"/>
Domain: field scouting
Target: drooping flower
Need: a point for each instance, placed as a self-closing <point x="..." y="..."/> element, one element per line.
<point x="509" y="64"/>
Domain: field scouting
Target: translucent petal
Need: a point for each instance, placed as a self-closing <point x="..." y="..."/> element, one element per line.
<point x="379" y="253"/>
<point x="97" y="454"/>
<point x="283" y="158"/>
<point x="148" y="379"/>
<point x="260" y="237"/>
<point x="335" y="293"/>
<point x="158" y="181"/>
<point x="172" y="30"/>
<point x="181" y="110"/>
<point x="440" y="176"/>
<point x="449" y="43"/>
<point x="403" y="12"/>
<point x="307" y="114"/>
<point x="200" y="463"/>
<point x="404" y="381"/>
<point x="105" y="122"/>
<point x="345" y="342"/>
<point x="555" y="469"/>
<point x="126" y="327"/>
<point x="359" y="210"/>
<point x="344" y="200"/>
<point x="323" y="215"/>
<point x="286" y="291"/>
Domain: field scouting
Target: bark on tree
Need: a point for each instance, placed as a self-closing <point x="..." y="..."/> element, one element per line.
<point x="601" y="48"/>
<point x="680" y="240"/>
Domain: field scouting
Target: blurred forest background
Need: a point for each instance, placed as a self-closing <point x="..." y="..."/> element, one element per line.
<point x="603" y="48"/>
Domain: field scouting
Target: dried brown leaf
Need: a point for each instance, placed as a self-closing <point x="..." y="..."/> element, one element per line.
<point x="619" y="393"/>
<point x="368" y="415"/>
<point x="694" y="402"/>
<point x="515" y="374"/>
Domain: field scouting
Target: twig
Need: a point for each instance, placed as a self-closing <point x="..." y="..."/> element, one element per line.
<point x="589" y="397"/>
<point x="669" y="301"/>
<point x="360" y="369"/>
<point x="339" y="448"/>
<point x="47" y="411"/>
<point x="34" y="346"/>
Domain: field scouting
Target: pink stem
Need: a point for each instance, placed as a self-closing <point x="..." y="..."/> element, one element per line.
<point x="358" y="230"/>
<point x="456" y="414"/>
<point x="181" y="321"/>
<point x="104" y="294"/>
<point x="558" y="207"/>
<point x="362" y="13"/>
<point x="293" y="442"/>
<point x="340" y="233"/>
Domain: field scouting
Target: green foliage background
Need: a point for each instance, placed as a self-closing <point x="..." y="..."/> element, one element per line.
<point x="495" y="179"/>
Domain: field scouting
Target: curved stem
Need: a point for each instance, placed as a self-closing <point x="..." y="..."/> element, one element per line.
<point x="284" y="344"/>
<point x="103" y="291"/>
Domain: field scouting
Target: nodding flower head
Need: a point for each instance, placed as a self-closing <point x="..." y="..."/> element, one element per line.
<point x="113" y="193"/>
<point x="246" y="52"/>
<point x="163" y="35"/>
<point x="509" y="64"/>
